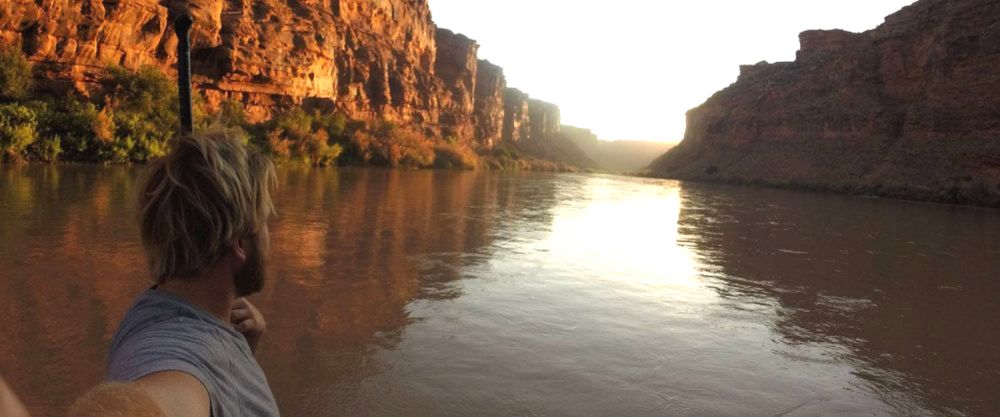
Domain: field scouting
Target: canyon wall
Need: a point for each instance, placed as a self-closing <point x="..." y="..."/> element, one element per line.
<point x="370" y="59"/>
<point x="489" y="103"/>
<point x="624" y="156"/>
<point x="910" y="109"/>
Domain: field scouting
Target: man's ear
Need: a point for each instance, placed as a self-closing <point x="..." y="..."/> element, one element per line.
<point x="241" y="249"/>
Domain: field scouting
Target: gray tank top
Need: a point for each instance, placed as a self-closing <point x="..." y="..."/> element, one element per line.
<point x="162" y="332"/>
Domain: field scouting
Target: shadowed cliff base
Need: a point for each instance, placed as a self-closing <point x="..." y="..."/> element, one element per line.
<point x="908" y="110"/>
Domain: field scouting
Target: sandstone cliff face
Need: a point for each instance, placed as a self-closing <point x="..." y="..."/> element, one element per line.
<point x="544" y="119"/>
<point x="489" y="105"/>
<point x="909" y="109"/>
<point x="371" y="59"/>
<point x="516" y="122"/>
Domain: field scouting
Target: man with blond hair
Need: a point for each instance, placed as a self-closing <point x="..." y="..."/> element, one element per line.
<point x="186" y="347"/>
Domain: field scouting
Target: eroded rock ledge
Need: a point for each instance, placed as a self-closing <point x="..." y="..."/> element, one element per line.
<point x="371" y="59"/>
<point x="910" y="109"/>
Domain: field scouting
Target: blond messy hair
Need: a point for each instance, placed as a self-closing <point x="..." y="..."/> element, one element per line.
<point x="196" y="202"/>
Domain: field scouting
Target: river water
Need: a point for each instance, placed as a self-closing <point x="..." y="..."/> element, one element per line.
<point x="439" y="293"/>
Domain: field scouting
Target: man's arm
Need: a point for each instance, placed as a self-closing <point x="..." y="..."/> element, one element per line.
<point x="161" y="394"/>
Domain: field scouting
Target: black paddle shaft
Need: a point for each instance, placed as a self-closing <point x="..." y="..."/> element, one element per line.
<point x="183" y="28"/>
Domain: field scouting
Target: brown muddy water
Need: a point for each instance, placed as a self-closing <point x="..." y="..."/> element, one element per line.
<point x="454" y="294"/>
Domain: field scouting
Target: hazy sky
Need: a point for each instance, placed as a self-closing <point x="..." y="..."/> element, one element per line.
<point x="630" y="69"/>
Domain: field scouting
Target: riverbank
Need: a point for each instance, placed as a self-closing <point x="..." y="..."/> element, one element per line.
<point x="502" y="163"/>
<point x="962" y="191"/>
<point x="134" y="115"/>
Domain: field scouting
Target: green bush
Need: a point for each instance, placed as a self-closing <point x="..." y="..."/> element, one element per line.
<point x="145" y="91"/>
<point x="137" y="138"/>
<point x="18" y="130"/>
<point x="143" y="107"/>
<point x="453" y="156"/>
<point x="15" y="74"/>
<point x="49" y="149"/>
<point x="231" y="115"/>
<point x="86" y="133"/>
<point x="392" y="146"/>
<point x="298" y="136"/>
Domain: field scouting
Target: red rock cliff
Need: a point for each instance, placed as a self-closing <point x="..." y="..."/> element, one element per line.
<point x="909" y="109"/>
<point x="371" y="59"/>
<point x="489" y="106"/>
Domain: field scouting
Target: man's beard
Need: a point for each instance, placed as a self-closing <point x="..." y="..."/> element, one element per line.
<point x="250" y="278"/>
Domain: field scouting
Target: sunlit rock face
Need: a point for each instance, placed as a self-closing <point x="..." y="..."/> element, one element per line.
<point x="516" y="121"/>
<point x="913" y="104"/>
<point x="544" y="119"/>
<point x="489" y="106"/>
<point x="371" y="59"/>
<point x="456" y="68"/>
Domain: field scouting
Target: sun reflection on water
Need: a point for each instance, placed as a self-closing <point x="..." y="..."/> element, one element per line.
<point x="623" y="227"/>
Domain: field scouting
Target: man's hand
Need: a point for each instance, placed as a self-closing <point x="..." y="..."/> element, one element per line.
<point x="247" y="320"/>
<point x="10" y="406"/>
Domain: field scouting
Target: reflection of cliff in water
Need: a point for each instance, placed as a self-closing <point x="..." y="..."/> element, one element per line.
<point x="70" y="263"/>
<point x="351" y="250"/>
<point x="896" y="296"/>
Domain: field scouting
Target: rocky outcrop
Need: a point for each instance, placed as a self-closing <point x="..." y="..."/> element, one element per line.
<point x="528" y="118"/>
<point x="544" y="118"/>
<point x="909" y="109"/>
<point x="489" y="104"/>
<point x="456" y="67"/>
<point x="516" y="118"/>
<point x="370" y="59"/>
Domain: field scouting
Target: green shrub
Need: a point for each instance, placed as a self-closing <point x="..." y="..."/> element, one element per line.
<point x="18" y="130"/>
<point x="137" y="138"/>
<point x="143" y="108"/>
<point x="336" y="125"/>
<point x="49" y="149"/>
<point x="297" y="136"/>
<point x="146" y="91"/>
<point x="146" y="94"/>
<point x="358" y="149"/>
<point x="393" y="146"/>
<point x="15" y="74"/>
<point x="453" y="156"/>
<point x="86" y="133"/>
<point x="231" y="114"/>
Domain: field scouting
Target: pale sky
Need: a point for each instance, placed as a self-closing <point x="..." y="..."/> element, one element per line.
<point x="630" y="69"/>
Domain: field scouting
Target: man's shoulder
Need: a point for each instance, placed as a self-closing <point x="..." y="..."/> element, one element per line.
<point x="154" y="317"/>
<point x="172" y="344"/>
<point x="171" y="331"/>
<point x="159" y="335"/>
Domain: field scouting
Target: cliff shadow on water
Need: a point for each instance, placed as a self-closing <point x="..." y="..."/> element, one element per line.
<point x="907" y="110"/>
<point x="887" y="287"/>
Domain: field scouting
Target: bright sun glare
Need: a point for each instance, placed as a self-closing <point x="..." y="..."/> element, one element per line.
<point x="632" y="68"/>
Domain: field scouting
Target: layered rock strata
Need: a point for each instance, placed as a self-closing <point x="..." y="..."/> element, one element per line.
<point x="909" y="109"/>
<point x="489" y="103"/>
<point x="371" y="59"/>
<point x="516" y="118"/>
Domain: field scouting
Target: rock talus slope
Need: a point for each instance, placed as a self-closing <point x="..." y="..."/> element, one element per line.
<point x="910" y="109"/>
